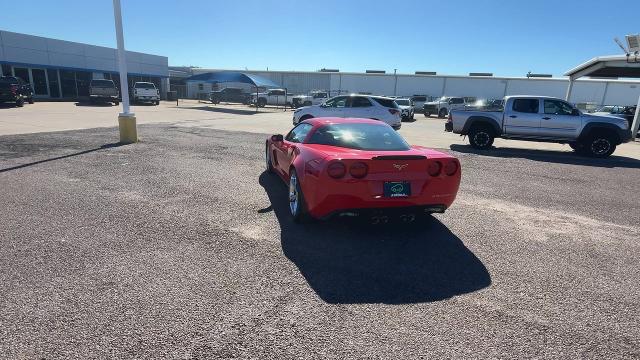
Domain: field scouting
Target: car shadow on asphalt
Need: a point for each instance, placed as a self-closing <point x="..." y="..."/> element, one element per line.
<point x="550" y="156"/>
<point x="95" y="104"/>
<point x="351" y="262"/>
<point x="103" y="147"/>
<point x="213" y="108"/>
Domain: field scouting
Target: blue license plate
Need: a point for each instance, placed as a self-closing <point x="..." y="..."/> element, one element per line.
<point x="397" y="189"/>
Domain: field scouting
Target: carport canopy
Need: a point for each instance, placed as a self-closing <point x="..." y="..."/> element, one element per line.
<point x="238" y="77"/>
<point x="615" y="66"/>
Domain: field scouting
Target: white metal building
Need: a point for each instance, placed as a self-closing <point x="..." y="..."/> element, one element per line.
<point x="593" y="91"/>
<point x="63" y="69"/>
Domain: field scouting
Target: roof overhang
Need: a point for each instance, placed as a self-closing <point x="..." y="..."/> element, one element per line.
<point x="615" y="66"/>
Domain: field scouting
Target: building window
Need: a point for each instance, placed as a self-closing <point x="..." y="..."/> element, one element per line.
<point x="83" y="79"/>
<point x="54" y="90"/>
<point x="200" y="87"/>
<point x="68" y="83"/>
<point x="6" y="70"/>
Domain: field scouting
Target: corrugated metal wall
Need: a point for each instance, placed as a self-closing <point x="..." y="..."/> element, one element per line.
<point x="584" y="91"/>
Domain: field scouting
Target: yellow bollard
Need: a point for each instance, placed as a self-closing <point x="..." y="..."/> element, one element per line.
<point x="128" y="129"/>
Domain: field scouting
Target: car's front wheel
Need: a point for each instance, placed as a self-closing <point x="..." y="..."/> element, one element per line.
<point x="481" y="137"/>
<point x="262" y="102"/>
<point x="20" y="102"/>
<point x="600" y="146"/>
<point x="297" y="206"/>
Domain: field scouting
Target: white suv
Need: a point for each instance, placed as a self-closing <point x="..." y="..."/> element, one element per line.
<point x="353" y="106"/>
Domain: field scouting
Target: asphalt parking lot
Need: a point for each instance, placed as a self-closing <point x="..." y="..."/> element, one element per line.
<point x="180" y="247"/>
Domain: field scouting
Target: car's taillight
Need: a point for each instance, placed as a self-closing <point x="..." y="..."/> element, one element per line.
<point x="336" y="169"/>
<point x="393" y="111"/>
<point x="434" y="168"/>
<point x="451" y="167"/>
<point x="358" y="170"/>
<point x="14" y="89"/>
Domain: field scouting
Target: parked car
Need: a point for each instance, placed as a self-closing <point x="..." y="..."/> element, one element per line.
<point x="625" y="112"/>
<point x="540" y="118"/>
<point x="145" y="92"/>
<point x="406" y="108"/>
<point x="103" y="91"/>
<point x="229" y="95"/>
<point x="485" y="104"/>
<point x="443" y="106"/>
<point x="314" y="98"/>
<point x="360" y="167"/>
<point x="353" y="106"/>
<point x="276" y="97"/>
<point x="16" y="90"/>
<point x="418" y="102"/>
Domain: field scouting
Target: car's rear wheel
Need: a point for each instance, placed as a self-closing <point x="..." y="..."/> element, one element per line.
<point x="20" y="102"/>
<point x="481" y="137"/>
<point x="297" y="206"/>
<point x="267" y="158"/>
<point x="600" y="146"/>
<point x="442" y="113"/>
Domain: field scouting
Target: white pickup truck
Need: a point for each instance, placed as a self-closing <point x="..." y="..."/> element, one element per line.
<point x="272" y="97"/>
<point x="541" y="118"/>
<point x="443" y="106"/>
<point x="314" y="98"/>
<point x="145" y="92"/>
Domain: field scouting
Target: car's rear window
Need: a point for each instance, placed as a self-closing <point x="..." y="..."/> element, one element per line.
<point x="403" y="102"/>
<point x="360" y="136"/>
<point x="145" y="85"/>
<point x="102" y="83"/>
<point x="386" y="102"/>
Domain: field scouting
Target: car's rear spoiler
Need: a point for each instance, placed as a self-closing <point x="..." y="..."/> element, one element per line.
<point x="399" y="157"/>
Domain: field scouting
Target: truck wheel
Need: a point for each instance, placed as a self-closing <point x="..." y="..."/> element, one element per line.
<point x="442" y="113"/>
<point x="600" y="145"/>
<point x="481" y="137"/>
<point x="262" y="102"/>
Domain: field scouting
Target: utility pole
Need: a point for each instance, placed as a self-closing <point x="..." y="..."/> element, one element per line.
<point x="126" y="119"/>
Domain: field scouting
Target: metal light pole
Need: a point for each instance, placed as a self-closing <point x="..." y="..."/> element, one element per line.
<point x="126" y="120"/>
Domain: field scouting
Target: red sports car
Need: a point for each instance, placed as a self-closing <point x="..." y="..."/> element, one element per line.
<point x="360" y="167"/>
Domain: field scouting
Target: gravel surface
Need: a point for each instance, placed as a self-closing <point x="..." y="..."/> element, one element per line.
<point x="181" y="247"/>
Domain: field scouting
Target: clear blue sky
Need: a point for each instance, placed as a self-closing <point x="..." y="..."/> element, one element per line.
<point x="450" y="37"/>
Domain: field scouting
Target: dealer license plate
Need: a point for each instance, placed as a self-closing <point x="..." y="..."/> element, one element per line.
<point x="397" y="188"/>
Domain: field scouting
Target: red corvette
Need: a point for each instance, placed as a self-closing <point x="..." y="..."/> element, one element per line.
<point x="360" y="167"/>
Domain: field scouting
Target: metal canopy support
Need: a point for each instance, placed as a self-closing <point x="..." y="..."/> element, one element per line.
<point x="636" y="121"/>
<point x="569" y="90"/>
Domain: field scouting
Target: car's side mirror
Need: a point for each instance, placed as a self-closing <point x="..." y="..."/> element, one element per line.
<point x="575" y="112"/>
<point x="277" y="138"/>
